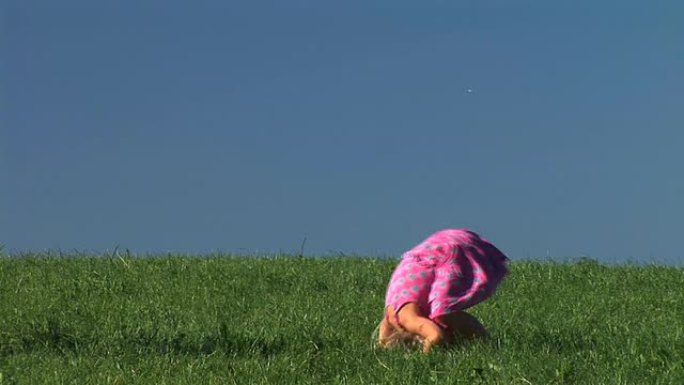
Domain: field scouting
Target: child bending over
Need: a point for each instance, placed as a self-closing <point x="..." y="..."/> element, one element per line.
<point x="434" y="283"/>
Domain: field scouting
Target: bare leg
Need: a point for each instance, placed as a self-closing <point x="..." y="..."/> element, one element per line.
<point x="413" y="322"/>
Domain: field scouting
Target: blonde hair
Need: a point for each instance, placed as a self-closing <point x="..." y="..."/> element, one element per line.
<point x="399" y="339"/>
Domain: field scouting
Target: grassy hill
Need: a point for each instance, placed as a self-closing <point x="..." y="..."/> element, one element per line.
<point x="229" y="320"/>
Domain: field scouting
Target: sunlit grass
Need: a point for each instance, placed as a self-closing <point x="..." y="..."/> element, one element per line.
<point x="223" y="320"/>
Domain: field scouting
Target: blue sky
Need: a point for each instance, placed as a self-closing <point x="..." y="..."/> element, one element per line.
<point x="360" y="126"/>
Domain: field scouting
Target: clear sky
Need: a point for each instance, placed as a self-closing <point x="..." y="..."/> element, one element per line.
<point x="362" y="126"/>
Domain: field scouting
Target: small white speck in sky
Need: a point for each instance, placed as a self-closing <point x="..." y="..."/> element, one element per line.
<point x="469" y="90"/>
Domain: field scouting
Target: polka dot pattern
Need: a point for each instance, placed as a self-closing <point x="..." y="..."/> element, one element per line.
<point x="450" y="271"/>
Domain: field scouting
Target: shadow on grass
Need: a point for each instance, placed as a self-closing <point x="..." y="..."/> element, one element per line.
<point x="53" y="337"/>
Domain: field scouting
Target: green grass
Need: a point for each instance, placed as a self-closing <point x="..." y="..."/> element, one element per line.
<point x="223" y="320"/>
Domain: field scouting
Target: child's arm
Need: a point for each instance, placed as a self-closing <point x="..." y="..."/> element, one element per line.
<point x="385" y="331"/>
<point x="411" y="320"/>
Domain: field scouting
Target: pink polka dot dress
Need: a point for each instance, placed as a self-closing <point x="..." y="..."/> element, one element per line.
<point x="450" y="271"/>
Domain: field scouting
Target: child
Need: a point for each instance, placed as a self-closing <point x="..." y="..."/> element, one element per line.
<point x="434" y="283"/>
